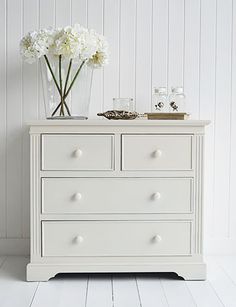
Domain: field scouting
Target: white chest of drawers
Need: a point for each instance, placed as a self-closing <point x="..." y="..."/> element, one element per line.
<point x="116" y="196"/>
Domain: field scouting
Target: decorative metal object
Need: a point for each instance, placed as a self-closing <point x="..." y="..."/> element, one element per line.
<point x="174" y="106"/>
<point x="119" y="114"/>
<point x="159" y="106"/>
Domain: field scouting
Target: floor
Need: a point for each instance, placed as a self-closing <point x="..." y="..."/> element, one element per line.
<point x="126" y="290"/>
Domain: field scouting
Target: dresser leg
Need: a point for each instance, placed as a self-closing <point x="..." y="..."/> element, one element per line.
<point x="39" y="273"/>
<point x="193" y="272"/>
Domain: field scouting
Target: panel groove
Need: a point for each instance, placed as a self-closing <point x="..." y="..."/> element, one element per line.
<point x="231" y="118"/>
<point x="119" y="22"/>
<point x="6" y="168"/>
<point x="3" y="120"/>
<point x="184" y="46"/>
<point x="232" y="225"/>
<point x="135" y="57"/>
<point x="151" y="57"/>
<point x="22" y="118"/>
<point x="103" y="26"/>
<point x="168" y="46"/>
<point x="199" y="58"/>
<point x="214" y="123"/>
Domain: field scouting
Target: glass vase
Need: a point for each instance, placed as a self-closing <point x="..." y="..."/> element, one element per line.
<point x="76" y="103"/>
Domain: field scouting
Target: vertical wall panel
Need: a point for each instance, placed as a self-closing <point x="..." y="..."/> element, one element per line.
<point x="160" y="44"/>
<point x="232" y="208"/>
<point x="191" y="56"/>
<point x="207" y="100"/>
<point x="79" y="12"/>
<point x="95" y="21"/>
<point x="111" y="32"/>
<point x="3" y="119"/>
<point x="143" y="84"/>
<point x="46" y="20"/>
<point x="79" y="15"/>
<point x="46" y="13"/>
<point x="29" y="107"/>
<point x="127" y="48"/>
<point x="176" y="42"/>
<point x="14" y="119"/>
<point x="62" y="13"/>
<point x="222" y="117"/>
<point x="63" y="19"/>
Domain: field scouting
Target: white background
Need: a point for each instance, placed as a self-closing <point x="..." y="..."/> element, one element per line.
<point x="153" y="43"/>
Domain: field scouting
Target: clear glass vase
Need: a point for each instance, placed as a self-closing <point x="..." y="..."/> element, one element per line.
<point x="76" y="104"/>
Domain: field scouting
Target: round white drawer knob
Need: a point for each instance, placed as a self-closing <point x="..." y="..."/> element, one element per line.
<point x="78" y="153"/>
<point x="157" y="153"/>
<point x="79" y="239"/>
<point x="157" y="239"/>
<point x="77" y="196"/>
<point x="156" y="196"/>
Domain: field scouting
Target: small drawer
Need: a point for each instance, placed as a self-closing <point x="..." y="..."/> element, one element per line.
<point x="156" y="152"/>
<point x="77" y="152"/>
<point x="116" y="195"/>
<point x="116" y="238"/>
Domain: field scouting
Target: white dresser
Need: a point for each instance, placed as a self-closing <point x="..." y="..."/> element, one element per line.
<point x="116" y="196"/>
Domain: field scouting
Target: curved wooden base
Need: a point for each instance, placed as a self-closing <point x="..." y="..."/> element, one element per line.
<point x="43" y="272"/>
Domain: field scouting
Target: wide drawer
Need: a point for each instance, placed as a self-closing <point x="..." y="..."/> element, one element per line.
<point x="77" y="152"/>
<point x="116" y="195"/>
<point x="156" y="152"/>
<point x="116" y="238"/>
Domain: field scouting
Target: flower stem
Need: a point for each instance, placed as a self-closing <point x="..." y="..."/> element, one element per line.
<point x="67" y="109"/>
<point x="67" y="77"/>
<point x="75" y="77"/>
<point x="63" y="93"/>
<point x="54" y="112"/>
<point x="65" y="87"/>
<point x="51" y="71"/>
<point x="60" y="80"/>
<point x="58" y="106"/>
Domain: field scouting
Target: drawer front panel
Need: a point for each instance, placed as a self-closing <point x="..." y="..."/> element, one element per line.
<point x="77" y="152"/>
<point x="116" y="238"/>
<point x="156" y="152"/>
<point x="116" y="195"/>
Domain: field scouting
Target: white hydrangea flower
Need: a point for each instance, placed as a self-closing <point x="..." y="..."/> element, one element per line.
<point x="93" y="47"/>
<point x="75" y="42"/>
<point x="101" y="56"/>
<point x="36" y="44"/>
<point x="88" y="44"/>
<point x="66" y="43"/>
<point x="98" y="60"/>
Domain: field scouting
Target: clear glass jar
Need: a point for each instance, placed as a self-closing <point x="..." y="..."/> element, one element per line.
<point x="76" y="104"/>
<point x="160" y="100"/>
<point x="123" y="104"/>
<point x="177" y="100"/>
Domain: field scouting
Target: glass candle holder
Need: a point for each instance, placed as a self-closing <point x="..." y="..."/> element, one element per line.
<point x="123" y="104"/>
<point x="177" y="100"/>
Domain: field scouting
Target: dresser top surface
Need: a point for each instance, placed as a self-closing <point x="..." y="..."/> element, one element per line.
<point x="121" y="123"/>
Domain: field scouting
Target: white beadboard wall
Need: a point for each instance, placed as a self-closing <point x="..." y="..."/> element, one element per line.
<point x="153" y="43"/>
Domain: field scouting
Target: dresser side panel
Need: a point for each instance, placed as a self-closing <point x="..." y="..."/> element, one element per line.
<point x="35" y="197"/>
<point x="199" y="162"/>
